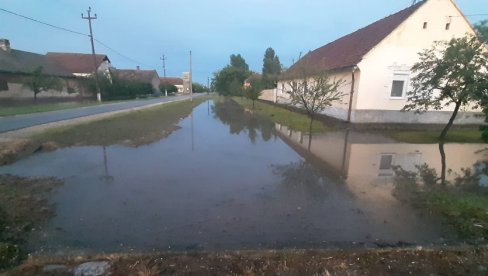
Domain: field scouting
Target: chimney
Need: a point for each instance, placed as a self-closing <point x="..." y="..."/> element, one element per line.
<point x="138" y="68"/>
<point x="5" y="45"/>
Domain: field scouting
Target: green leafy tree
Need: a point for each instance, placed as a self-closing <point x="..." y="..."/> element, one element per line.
<point x="314" y="94"/>
<point x="482" y="30"/>
<point x="199" y="88"/>
<point x="170" y="88"/>
<point x="230" y="79"/>
<point x="271" y="68"/>
<point x="253" y="91"/>
<point x="452" y="72"/>
<point x="39" y="82"/>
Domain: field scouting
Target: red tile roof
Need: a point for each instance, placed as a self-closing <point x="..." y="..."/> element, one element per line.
<point x="349" y="50"/>
<point x="172" y="81"/>
<point x="76" y="63"/>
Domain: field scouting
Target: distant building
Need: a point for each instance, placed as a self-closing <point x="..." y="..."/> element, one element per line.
<point x="81" y="65"/>
<point x="178" y="82"/>
<point x="376" y="62"/>
<point x="144" y="76"/>
<point x="186" y="83"/>
<point x="17" y="65"/>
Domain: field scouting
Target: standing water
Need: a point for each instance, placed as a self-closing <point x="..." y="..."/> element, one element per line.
<point x="228" y="179"/>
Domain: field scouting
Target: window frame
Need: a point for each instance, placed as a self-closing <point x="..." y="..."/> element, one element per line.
<point x="405" y="77"/>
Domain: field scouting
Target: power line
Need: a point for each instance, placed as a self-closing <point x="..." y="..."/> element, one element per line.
<point x="119" y="53"/>
<point x="74" y="32"/>
<point x="43" y="23"/>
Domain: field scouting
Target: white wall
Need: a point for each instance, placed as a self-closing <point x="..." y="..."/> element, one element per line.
<point x="399" y="51"/>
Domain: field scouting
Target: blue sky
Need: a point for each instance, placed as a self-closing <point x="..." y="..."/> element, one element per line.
<point x="144" y="30"/>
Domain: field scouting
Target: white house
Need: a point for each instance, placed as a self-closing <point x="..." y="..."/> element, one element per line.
<point x="375" y="63"/>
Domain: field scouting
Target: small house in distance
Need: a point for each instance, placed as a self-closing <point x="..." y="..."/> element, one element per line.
<point x="376" y="63"/>
<point x="143" y="76"/>
<point x="178" y="82"/>
<point x="81" y="65"/>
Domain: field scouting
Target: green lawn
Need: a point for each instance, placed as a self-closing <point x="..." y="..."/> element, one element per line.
<point x="430" y="137"/>
<point x="35" y="108"/>
<point x="134" y="128"/>
<point x="293" y="120"/>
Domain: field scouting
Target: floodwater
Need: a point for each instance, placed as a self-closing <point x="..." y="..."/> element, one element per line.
<point x="230" y="180"/>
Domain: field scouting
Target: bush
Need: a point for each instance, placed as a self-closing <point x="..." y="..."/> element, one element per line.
<point x="120" y="89"/>
<point x="163" y="87"/>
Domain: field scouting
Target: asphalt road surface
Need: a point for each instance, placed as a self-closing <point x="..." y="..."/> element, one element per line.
<point x="22" y="121"/>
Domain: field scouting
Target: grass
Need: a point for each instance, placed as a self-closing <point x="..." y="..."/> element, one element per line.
<point x="280" y="115"/>
<point x="36" y="108"/>
<point x="431" y="137"/>
<point x="135" y="128"/>
<point x="466" y="212"/>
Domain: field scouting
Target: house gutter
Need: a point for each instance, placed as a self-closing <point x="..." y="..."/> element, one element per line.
<point x="351" y="94"/>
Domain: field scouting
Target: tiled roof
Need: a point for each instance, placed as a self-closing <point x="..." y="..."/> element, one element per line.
<point x="145" y="76"/>
<point x="172" y="81"/>
<point x="75" y="62"/>
<point x="349" y="50"/>
<point x="15" y="61"/>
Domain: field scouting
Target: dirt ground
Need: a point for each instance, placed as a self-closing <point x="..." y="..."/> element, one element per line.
<point x="438" y="261"/>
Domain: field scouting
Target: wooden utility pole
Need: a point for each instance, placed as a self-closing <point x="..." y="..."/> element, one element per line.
<point x="164" y="74"/>
<point x="95" y="67"/>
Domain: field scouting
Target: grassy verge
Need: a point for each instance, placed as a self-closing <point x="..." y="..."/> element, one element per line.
<point x="135" y="128"/>
<point x="466" y="212"/>
<point x="293" y="120"/>
<point x="430" y="137"/>
<point x="23" y="207"/>
<point x="36" y="108"/>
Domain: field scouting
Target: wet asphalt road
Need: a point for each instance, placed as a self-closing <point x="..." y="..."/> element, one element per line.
<point x="22" y="121"/>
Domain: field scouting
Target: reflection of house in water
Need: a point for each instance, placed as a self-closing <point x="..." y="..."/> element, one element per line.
<point x="366" y="160"/>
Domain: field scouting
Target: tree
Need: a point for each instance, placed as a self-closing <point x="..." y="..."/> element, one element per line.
<point x="199" y="88"/>
<point x="253" y="91"/>
<point x="39" y="82"/>
<point x="271" y="68"/>
<point x="482" y="30"/>
<point x="450" y="73"/>
<point x="314" y="94"/>
<point x="170" y="88"/>
<point x="230" y="79"/>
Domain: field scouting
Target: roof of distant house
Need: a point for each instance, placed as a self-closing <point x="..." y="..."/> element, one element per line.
<point x="76" y="62"/>
<point x="172" y="80"/>
<point x="146" y="76"/>
<point x="16" y="61"/>
<point x="349" y="50"/>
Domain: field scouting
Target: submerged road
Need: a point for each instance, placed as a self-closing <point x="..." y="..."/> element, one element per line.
<point x="28" y="120"/>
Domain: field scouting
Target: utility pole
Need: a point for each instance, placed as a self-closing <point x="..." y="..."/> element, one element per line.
<point x="90" y="18"/>
<point x="208" y="85"/>
<point x="191" y="80"/>
<point x="164" y="74"/>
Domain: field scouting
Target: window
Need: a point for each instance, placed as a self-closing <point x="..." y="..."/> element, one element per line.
<point x="425" y="25"/>
<point x="386" y="161"/>
<point x="448" y="25"/>
<point x="398" y="86"/>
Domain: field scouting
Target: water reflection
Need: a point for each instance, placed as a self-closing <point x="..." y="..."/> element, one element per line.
<point x="238" y="120"/>
<point x="229" y="181"/>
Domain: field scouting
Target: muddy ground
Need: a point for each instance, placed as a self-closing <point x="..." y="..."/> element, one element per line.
<point x="447" y="261"/>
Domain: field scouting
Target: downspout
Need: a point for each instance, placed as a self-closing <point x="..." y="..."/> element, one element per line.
<point x="351" y="94"/>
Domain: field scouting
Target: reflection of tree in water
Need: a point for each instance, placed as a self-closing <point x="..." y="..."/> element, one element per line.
<point x="238" y="120"/>
<point x="302" y="176"/>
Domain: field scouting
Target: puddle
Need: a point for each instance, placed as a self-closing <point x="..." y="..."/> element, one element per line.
<point x="229" y="180"/>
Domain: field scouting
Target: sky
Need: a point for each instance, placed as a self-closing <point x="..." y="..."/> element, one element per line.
<point x="145" y="30"/>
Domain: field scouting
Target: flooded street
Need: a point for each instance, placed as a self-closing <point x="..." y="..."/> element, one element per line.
<point x="230" y="180"/>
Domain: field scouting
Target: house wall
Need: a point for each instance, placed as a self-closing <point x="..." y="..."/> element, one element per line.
<point x="396" y="54"/>
<point x="155" y="84"/>
<point x="16" y="90"/>
<point x="338" y="109"/>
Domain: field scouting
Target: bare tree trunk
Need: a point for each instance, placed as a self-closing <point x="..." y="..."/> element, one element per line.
<point x="443" y="135"/>
<point x="252" y="104"/>
<point x="310" y="133"/>
<point x="443" y="163"/>
<point x="35" y="97"/>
